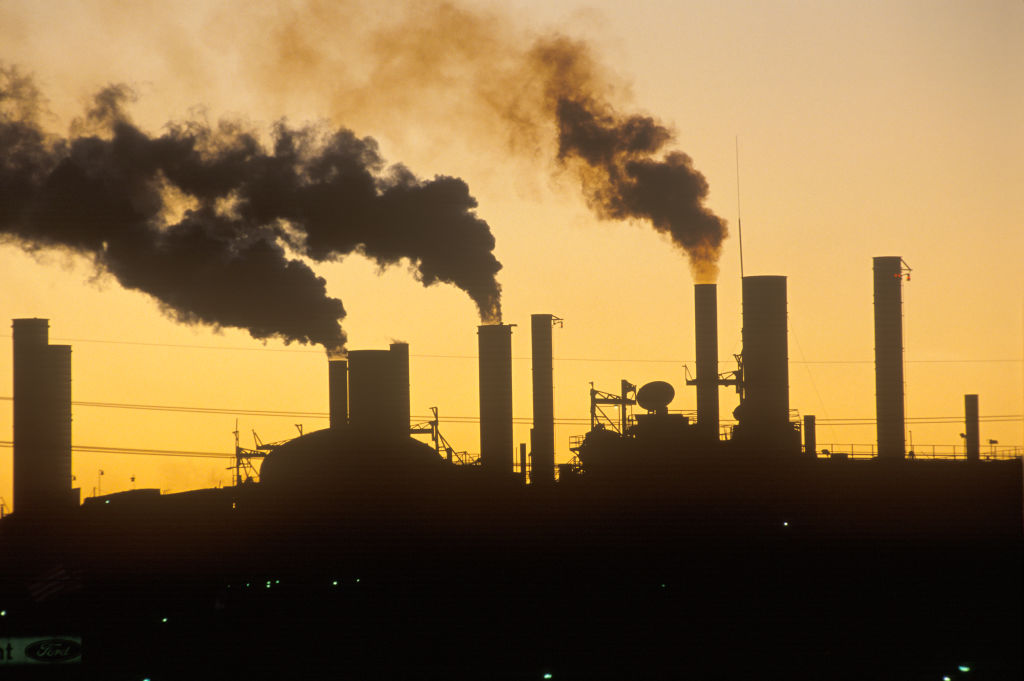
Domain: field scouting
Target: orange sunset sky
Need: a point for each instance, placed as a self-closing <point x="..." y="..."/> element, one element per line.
<point x="864" y="129"/>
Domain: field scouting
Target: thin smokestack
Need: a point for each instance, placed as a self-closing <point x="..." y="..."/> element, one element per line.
<point x="972" y="439"/>
<point x="706" y="334"/>
<point x="496" y="453"/>
<point x="337" y="376"/>
<point x="543" y="434"/>
<point x="202" y="218"/>
<point x="888" y="281"/>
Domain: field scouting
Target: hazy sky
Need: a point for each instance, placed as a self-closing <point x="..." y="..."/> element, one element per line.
<point x="865" y="129"/>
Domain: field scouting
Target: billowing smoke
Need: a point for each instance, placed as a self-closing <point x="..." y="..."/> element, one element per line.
<point x="202" y="218"/>
<point x="622" y="161"/>
<point x="547" y="95"/>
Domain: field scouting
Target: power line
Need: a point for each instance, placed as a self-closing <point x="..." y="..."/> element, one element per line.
<point x="100" y="449"/>
<point x="521" y="420"/>
<point x="517" y="358"/>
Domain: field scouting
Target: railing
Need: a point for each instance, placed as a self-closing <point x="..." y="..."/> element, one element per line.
<point x="925" y="452"/>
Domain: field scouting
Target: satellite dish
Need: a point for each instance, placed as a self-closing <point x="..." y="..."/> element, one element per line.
<point x="655" y="395"/>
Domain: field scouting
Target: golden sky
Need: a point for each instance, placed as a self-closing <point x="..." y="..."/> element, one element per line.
<point x="865" y="129"/>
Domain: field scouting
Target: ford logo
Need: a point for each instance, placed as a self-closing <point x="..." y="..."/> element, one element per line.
<point x="53" y="650"/>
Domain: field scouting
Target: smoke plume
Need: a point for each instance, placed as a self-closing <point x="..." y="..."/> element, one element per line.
<point x="547" y="94"/>
<point x="622" y="160"/>
<point x="202" y="218"/>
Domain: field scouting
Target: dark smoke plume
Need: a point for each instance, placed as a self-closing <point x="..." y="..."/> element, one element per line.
<point x="106" y="192"/>
<point x="622" y="161"/>
<point x="549" y="93"/>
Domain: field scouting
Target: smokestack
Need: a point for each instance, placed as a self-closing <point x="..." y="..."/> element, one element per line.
<point x="496" y="397"/>
<point x="765" y="409"/>
<point x="810" y="436"/>
<point x="543" y="434"/>
<point x="378" y="403"/>
<point x="971" y="440"/>
<point x="42" y="420"/>
<point x="888" y="275"/>
<point x="705" y="307"/>
<point x="337" y="377"/>
<point x="400" y="358"/>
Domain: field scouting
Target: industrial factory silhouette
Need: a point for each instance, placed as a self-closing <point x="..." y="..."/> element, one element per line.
<point x="667" y="547"/>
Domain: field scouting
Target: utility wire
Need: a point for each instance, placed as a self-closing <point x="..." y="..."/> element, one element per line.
<point x="517" y="358"/>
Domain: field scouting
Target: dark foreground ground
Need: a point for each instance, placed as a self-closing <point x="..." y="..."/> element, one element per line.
<point x="640" y="583"/>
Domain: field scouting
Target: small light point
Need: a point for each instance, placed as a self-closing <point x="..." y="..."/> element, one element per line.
<point x="547" y="676"/>
<point x="964" y="668"/>
<point x="335" y="583"/>
<point x="164" y="620"/>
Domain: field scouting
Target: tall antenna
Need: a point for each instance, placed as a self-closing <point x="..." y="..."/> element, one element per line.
<point x="739" y="217"/>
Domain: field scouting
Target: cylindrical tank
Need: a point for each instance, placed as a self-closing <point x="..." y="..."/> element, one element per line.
<point x="705" y="307"/>
<point x="888" y="279"/>
<point x="496" y="446"/>
<point x="375" y="402"/>
<point x="765" y="412"/>
<point x="543" y="434"/>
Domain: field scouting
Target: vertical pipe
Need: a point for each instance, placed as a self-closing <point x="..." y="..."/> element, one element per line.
<point x="400" y="357"/>
<point x="972" y="439"/>
<point x="705" y="307"/>
<point x="337" y="389"/>
<point x="543" y="439"/>
<point x="765" y="409"/>
<point x="496" y="452"/>
<point x="810" y="436"/>
<point x="888" y="279"/>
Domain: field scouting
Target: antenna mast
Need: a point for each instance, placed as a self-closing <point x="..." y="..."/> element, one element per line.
<point x="739" y="217"/>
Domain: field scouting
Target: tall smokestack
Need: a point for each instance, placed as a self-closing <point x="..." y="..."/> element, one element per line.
<point x="543" y="436"/>
<point x="337" y="377"/>
<point x="400" y="358"/>
<point x="888" y="275"/>
<point x="971" y="439"/>
<point x="810" y="436"/>
<point x="496" y="397"/>
<point x="765" y="409"/>
<point x="705" y="306"/>
<point x="42" y="420"/>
